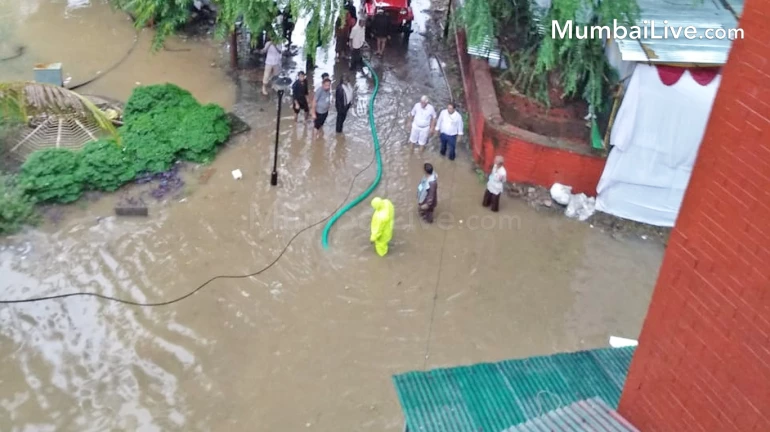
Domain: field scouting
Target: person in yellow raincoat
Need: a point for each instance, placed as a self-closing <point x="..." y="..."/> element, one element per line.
<point x="382" y="224"/>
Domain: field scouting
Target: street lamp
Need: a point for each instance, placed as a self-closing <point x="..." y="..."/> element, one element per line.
<point x="280" y="85"/>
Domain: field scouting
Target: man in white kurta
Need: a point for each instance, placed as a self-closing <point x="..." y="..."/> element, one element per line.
<point x="423" y="120"/>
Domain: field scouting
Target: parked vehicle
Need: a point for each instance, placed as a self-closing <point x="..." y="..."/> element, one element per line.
<point x="398" y="11"/>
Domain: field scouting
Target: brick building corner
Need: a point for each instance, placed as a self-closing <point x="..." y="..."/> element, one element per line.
<point x="703" y="360"/>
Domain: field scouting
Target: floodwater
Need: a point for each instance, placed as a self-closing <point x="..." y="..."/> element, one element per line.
<point x="312" y="343"/>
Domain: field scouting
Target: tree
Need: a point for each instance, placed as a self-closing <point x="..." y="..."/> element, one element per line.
<point x="256" y="16"/>
<point x="578" y="67"/>
<point x="20" y="100"/>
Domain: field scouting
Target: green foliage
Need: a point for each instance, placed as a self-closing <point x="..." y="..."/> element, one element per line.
<point x="52" y="175"/>
<point x="578" y="67"/>
<point x="148" y="140"/>
<point x="157" y="98"/>
<point x="201" y="132"/>
<point x="256" y="16"/>
<point x="166" y="16"/>
<point x="16" y="208"/>
<point x="105" y="166"/>
<point x="164" y="122"/>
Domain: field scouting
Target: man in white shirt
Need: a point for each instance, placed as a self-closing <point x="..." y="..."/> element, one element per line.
<point x="422" y="119"/>
<point x="495" y="185"/>
<point x="357" y="40"/>
<point x="449" y="126"/>
<point x="272" y="63"/>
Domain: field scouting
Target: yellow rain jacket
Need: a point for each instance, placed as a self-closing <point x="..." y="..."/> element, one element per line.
<point x="382" y="224"/>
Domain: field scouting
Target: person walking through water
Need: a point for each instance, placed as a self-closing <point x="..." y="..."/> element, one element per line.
<point x="427" y="193"/>
<point x="422" y="119"/>
<point x="357" y="40"/>
<point x="449" y="126"/>
<point x="343" y="99"/>
<point x="342" y="34"/>
<point x="272" y="63"/>
<point x="382" y="224"/>
<point x="380" y="29"/>
<point x="322" y="101"/>
<point x="495" y="185"/>
<point x="299" y="93"/>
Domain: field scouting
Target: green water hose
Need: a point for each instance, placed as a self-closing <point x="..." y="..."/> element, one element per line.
<point x="377" y="155"/>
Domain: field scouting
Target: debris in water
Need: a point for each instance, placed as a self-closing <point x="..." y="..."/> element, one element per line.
<point x="131" y="211"/>
<point x="237" y="174"/>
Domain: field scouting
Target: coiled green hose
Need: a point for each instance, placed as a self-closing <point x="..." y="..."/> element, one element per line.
<point x="377" y="155"/>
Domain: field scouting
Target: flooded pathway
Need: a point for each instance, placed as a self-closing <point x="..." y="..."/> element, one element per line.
<point x="310" y="344"/>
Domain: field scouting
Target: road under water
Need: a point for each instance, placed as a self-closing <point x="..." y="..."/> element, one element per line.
<point x="310" y="344"/>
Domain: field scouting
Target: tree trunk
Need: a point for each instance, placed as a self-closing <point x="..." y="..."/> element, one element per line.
<point x="234" y="49"/>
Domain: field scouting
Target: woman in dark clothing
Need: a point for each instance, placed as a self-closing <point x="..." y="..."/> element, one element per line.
<point x="427" y="194"/>
<point x="299" y="93"/>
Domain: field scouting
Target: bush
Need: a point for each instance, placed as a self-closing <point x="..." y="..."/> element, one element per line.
<point x="105" y="166"/>
<point x="16" y="208"/>
<point x="164" y="123"/>
<point x="157" y="98"/>
<point x="52" y="175"/>
<point x="148" y="141"/>
<point x="201" y="132"/>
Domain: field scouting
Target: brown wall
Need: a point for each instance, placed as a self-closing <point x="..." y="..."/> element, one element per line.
<point x="703" y="361"/>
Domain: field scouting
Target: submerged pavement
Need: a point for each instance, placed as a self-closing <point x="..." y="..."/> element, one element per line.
<point x="312" y="343"/>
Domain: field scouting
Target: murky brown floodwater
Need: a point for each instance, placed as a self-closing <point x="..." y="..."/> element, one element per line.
<point x="312" y="343"/>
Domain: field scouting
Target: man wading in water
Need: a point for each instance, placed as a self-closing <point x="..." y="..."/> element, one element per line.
<point x="422" y="120"/>
<point x="322" y="101"/>
<point x="272" y="63"/>
<point x="343" y="99"/>
<point x="299" y="94"/>
<point x="427" y="193"/>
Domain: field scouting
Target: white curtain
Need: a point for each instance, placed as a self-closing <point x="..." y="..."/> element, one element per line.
<point x="656" y="135"/>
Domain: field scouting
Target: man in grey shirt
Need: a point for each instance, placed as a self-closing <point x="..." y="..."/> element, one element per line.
<point x="322" y="101"/>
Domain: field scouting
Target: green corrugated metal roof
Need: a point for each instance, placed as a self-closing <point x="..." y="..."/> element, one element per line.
<point x="492" y="397"/>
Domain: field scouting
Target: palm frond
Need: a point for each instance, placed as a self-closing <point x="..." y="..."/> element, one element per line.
<point x="21" y="100"/>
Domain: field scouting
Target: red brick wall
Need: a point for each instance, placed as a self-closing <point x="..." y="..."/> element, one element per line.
<point x="703" y="361"/>
<point x="529" y="158"/>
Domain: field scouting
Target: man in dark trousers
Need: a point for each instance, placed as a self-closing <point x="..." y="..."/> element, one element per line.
<point x="299" y="94"/>
<point x="381" y="30"/>
<point x="343" y="100"/>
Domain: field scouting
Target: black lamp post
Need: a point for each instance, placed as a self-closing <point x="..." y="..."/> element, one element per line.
<point x="280" y="85"/>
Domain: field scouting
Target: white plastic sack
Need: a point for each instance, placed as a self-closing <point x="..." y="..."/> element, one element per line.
<point x="589" y="207"/>
<point x="576" y="203"/>
<point x="561" y="193"/>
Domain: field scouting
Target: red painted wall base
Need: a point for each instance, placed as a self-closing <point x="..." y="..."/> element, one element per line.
<point x="529" y="158"/>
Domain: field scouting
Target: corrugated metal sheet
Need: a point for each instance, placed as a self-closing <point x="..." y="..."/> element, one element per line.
<point x="736" y="6"/>
<point x="590" y="415"/>
<point x="495" y="396"/>
<point x="709" y="14"/>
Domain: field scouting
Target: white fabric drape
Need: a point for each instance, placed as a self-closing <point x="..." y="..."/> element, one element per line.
<point x="656" y="135"/>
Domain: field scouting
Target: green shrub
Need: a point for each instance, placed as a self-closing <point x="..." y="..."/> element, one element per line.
<point x="157" y="98"/>
<point x="148" y="141"/>
<point x="105" y="166"/>
<point x="16" y="209"/>
<point x="200" y="132"/>
<point x="163" y="123"/>
<point x="52" y="175"/>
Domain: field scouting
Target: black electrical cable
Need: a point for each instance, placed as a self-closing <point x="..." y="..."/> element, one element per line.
<point x="19" y="52"/>
<point x="111" y="68"/>
<point x="203" y="285"/>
